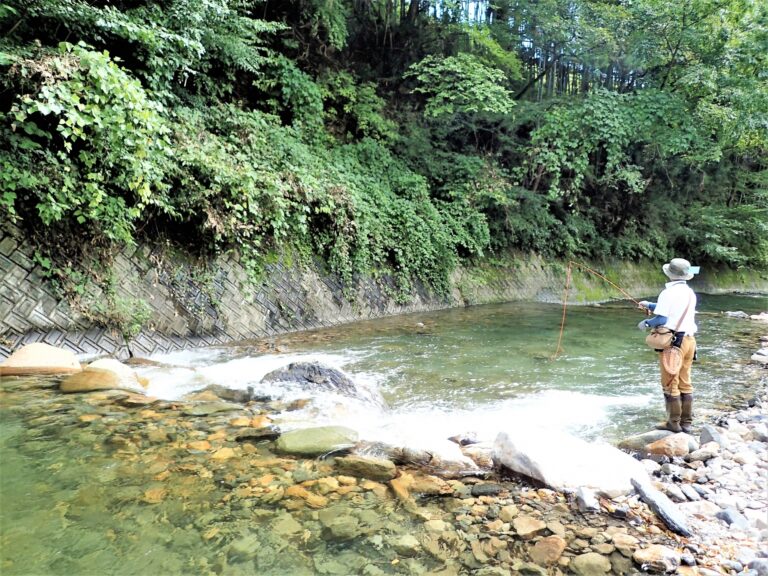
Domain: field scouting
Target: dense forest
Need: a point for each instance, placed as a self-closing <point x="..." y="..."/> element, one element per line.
<point x="394" y="137"/>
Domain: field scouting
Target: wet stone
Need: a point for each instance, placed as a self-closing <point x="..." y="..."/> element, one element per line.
<point x="487" y="489"/>
<point x="257" y="434"/>
<point x="590" y="564"/>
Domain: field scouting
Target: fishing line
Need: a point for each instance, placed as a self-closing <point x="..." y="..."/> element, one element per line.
<point x="568" y="275"/>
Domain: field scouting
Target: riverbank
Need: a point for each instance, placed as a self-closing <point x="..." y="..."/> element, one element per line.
<point x="199" y="485"/>
<point x="158" y="300"/>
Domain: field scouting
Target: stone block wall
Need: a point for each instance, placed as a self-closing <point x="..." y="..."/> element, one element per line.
<point x="184" y="311"/>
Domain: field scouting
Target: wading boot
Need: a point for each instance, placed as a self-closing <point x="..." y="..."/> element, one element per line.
<point x="686" y="414"/>
<point x="674" y="411"/>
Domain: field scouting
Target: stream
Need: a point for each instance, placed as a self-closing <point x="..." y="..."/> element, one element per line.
<point x="93" y="486"/>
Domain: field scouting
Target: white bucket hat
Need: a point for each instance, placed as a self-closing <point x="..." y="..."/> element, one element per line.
<point x="679" y="269"/>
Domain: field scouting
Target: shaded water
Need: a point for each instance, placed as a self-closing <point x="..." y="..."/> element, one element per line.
<point x="89" y="486"/>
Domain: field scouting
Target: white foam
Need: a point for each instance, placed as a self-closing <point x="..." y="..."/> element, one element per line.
<point x="427" y="426"/>
<point x="193" y="370"/>
<point x="424" y="423"/>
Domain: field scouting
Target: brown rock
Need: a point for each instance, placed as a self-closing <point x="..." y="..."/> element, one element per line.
<point x="312" y="499"/>
<point x="260" y="421"/>
<point x="547" y="551"/>
<point x="241" y="422"/>
<point x="429" y="485"/>
<point x="105" y="374"/>
<point x="154" y="495"/>
<point x="527" y="527"/>
<point x="39" y="358"/>
<point x="377" y="488"/>
<point x="657" y="558"/>
<point x="89" y="417"/>
<point x="508" y="512"/>
<point x="371" y="468"/>
<point x="223" y="454"/>
<point x="401" y="486"/>
<point x="674" y="445"/>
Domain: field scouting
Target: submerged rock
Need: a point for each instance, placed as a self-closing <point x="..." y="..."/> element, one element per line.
<point x="316" y="441"/>
<point x="39" y="358"/>
<point x="363" y="467"/>
<point x="229" y="394"/>
<point x="207" y="408"/>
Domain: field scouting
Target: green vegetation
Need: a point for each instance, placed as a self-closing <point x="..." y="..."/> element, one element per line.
<point x="388" y="138"/>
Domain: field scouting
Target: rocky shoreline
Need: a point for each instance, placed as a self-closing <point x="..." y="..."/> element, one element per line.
<point x="210" y="471"/>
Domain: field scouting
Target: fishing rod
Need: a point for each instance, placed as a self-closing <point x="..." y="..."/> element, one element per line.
<point x="568" y="275"/>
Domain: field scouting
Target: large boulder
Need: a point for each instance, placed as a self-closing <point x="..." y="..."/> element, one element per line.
<point x="567" y="463"/>
<point x="313" y="376"/>
<point x="105" y="374"/>
<point x="316" y="441"/>
<point x="39" y="358"/>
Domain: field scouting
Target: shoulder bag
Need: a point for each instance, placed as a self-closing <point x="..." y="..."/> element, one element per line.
<point x="662" y="337"/>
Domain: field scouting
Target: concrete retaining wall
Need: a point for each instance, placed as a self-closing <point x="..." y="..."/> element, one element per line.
<point x="186" y="308"/>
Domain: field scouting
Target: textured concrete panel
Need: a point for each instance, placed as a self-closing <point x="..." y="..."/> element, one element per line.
<point x="186" y="310"/>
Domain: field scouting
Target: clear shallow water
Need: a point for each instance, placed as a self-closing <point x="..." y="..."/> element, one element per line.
<point x="476" y="369"/>
<point x="90" y="487"/>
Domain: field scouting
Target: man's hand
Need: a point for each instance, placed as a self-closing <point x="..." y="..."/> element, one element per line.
<point x="643" y="304"/>
<point x="642" y="326"/>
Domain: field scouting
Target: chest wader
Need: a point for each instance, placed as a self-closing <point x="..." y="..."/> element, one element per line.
<point x="674" y="412"/>
<point x="686" y="415"/>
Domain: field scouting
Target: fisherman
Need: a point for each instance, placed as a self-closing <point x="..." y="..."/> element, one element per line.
<point x="676" y="310"/>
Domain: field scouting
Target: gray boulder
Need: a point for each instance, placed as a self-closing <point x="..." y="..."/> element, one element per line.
<point x="313" y="376"/>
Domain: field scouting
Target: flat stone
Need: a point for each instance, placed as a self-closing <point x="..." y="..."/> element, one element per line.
<point x="244" y="549"/>
<point x="39" y="358"/>
<point x="286" y="525"/>
<point x="316" y="441"/>
<point x="486" y="489"/>
<point x="733" y="518"/>
<point x="406" y="545"/>
<point x="690" y="492"/>
<point x="547" y="551"/>
<point x="657" y="558"/>
<point x="706" y="452"/>
<point x="527" y="527"/>
<point x="566" y="463"/>
<point x="590" y="564"/>
<point x="378" y="469"/>
<point x="257" y="434"/>
<point x="208" y="408"/>
<point x="508" y="512"/>
<point x="710" y="434"/>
